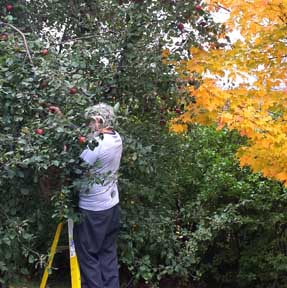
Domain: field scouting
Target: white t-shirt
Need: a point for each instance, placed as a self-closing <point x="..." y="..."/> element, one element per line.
<point x="104" y="162"/>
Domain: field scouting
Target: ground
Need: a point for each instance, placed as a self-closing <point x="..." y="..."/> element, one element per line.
<point x="53" y="282"/>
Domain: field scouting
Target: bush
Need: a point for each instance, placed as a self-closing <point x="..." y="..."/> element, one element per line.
<point x="196" y="216"/>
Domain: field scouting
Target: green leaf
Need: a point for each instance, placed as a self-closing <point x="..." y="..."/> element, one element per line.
<point x="24" y="191"/>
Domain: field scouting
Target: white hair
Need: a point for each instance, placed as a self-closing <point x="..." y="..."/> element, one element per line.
<point x="101" y="111"/>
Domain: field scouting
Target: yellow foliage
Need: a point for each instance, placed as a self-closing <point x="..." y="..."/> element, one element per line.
<point x="178" y="128"/>
<point x="165" y="53"/>
<point x="256" y="107"/>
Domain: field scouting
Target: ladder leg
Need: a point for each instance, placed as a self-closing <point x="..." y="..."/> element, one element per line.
<point x="51" y="256"/>
<point x="74" y="265"/>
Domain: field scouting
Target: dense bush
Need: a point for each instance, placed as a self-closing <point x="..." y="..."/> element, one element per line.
<point x="196" y="216"/>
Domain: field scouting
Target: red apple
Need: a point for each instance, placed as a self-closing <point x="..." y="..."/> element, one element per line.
<point x="39" y="131"/>
<point x="45" y="52"/>
<point x="180" y="26"/>
<point x="177" y="110"/>
<point x="52" y="109"/>
<point x="198" y="8"/>
<point x="82" y="139"/>
<point x="9" y="7"/>
<point x="4" y="37"/>
<point x="73" y="90"/>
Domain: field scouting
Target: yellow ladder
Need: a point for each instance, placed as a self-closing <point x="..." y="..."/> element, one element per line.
<point x="74" y="265"/>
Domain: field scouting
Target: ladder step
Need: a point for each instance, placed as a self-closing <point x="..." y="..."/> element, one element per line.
<point x="62" y="248"/>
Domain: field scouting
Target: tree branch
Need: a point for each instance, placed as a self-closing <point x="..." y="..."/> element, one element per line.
<point x="24" y="40"/>
<point x="222" y="7"/>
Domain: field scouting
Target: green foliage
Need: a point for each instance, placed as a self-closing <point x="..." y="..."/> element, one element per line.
<point x="199" y="217"/>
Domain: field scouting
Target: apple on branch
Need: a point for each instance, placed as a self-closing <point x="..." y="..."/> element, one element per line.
<point x="180" y="26"/>
<point x="45" y="52"/>
<point x="82" y="139"/>
<point x="73" y="90"/>
<point x="39" y="131"/>
<point x="9" y="7"/>
<point x="4" y="37"/>
<point x="198" y="8"/>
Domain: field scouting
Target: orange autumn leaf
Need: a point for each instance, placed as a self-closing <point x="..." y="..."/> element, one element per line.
<point x="244" y="85"/>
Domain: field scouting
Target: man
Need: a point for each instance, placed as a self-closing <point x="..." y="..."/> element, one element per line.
<point x="95" y="236"/>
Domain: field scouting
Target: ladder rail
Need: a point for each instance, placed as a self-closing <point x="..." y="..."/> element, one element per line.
<point x="74" y="264"/>
<point x="52" y="254"/>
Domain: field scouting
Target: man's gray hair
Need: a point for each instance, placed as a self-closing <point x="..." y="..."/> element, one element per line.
<point x="101" y="111"/>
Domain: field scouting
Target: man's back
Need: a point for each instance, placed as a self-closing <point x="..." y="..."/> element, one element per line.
<point x="104" y="161"/>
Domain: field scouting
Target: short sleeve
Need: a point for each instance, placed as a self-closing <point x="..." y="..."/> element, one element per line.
<point x="90" y="156"/>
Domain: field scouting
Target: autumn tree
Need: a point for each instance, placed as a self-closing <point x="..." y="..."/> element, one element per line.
<point x="241" y="84"/>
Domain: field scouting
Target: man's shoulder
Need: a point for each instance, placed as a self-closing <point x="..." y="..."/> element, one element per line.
<point x="111" y="138"/>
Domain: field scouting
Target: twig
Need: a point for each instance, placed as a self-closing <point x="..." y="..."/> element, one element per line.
<point x="222" y="7"/>
<point x="282" y="56"/>
<point x="128" y="285"/>
<point x="75" y="39"/>
<point x="4" y="213"/>
<point x="24" y="40"/>
<point x="80" y="38"/>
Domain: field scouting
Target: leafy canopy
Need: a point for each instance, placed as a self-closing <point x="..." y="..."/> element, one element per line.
<point x="243" y="84"/>
<point x="107" y="51"/>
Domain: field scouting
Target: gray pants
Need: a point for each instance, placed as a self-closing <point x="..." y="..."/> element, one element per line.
<point x="95" y="242"/>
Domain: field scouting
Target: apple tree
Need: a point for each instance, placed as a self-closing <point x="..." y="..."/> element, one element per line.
<point x="73" y="55"/>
